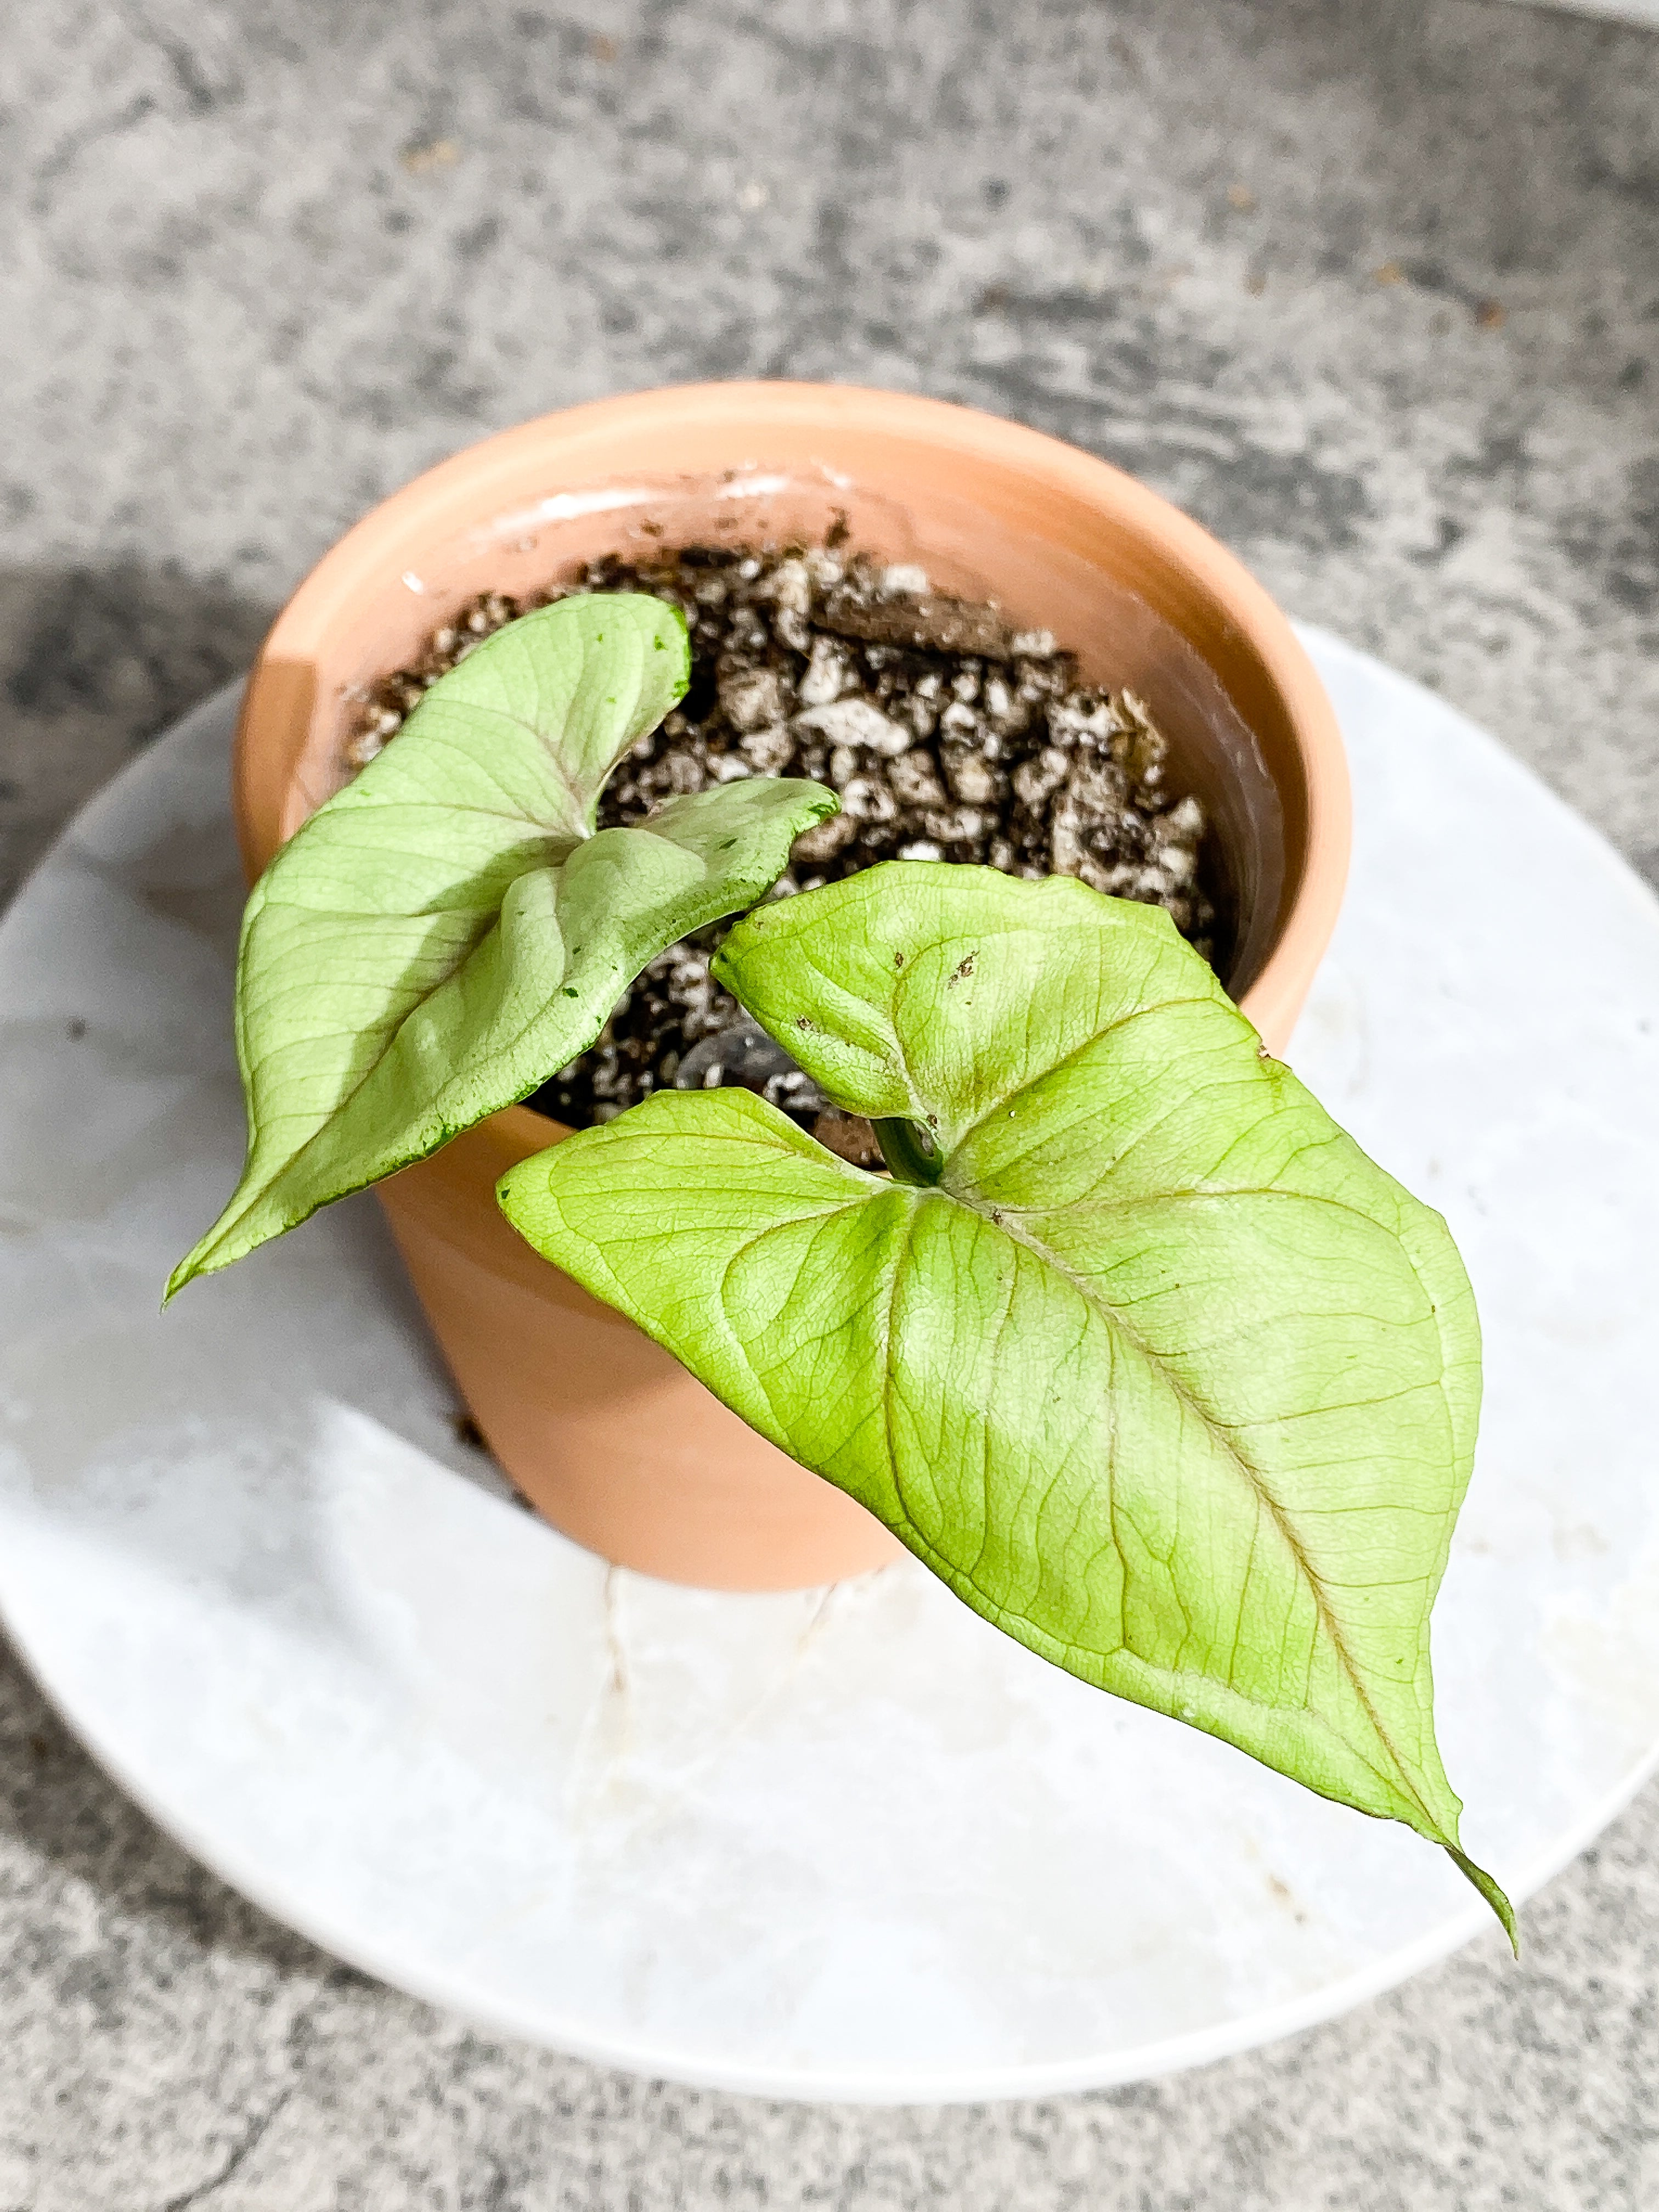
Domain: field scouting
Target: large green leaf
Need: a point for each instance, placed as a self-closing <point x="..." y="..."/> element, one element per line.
<point x="1148" y="1362"/>
<point x="450" y="929"/>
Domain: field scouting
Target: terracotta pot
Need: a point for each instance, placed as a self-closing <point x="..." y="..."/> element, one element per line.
<point x="607" y="1434"/>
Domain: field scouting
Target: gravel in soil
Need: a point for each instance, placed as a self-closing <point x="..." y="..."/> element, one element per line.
<point x="948" y="734"/>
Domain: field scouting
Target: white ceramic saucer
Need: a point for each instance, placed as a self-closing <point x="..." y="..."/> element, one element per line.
<point x="850" y="1844"/>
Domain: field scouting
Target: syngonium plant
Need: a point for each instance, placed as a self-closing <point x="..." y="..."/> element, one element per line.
<point x="1132" y="1346"/>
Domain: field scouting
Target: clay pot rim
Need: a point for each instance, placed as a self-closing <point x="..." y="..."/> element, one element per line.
<point x="477" y="482"/>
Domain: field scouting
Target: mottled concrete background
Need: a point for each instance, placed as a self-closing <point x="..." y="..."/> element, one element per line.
<point x="1373" y="289"/>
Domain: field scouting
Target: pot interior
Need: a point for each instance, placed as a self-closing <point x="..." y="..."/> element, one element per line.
<point x="1111" y="594"/>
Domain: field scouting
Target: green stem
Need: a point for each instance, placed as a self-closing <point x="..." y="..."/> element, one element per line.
<point x="909" y="1152"/>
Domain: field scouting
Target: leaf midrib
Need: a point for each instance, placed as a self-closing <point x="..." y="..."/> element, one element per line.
<point x="1114" y="1316"/>
<point x="1399" y="1778"/>
<point x="1017" y="1233"/>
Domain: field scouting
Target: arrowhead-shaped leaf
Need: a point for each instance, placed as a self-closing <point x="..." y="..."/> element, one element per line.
<point x="449" y="930"/>
<point x="1151" y="1364"/>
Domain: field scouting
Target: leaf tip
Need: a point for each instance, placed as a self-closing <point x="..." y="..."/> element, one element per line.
<point x="1489" y="1889"/>
<point x="192" y="1265"/>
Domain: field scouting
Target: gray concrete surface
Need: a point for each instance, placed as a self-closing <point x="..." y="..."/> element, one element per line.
<point x="1373" y="290"/>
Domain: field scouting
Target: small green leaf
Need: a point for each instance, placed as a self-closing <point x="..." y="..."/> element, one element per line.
<point x="1138" y="1350"/>
<point x="450" y="929"/>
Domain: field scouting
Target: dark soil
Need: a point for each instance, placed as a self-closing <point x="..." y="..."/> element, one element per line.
<point x="949" y="736"/>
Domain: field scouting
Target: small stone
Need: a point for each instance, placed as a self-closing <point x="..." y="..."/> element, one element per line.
<point x="1099" y="788"/>
<point x="856" y="722"/>
<point x="790" y="587"/>
<point x="769" y="751"/>
<point x="825" y="839"/>
<point x="1067" y="851"/>
<point x="828" y="673"/>
<point x="869" y="802"/>
<point x="971" y="776"/>
<point x="751" y="698"/>
<point x="957" y="826"/>
<point x="1036" y="781"/>
<point x="915" y="782"/>
<point x="792" y="629"/>
<point x="920" y="848"/>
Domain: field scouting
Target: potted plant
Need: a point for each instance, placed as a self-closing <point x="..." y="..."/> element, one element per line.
<point x="1124" y="1339"/>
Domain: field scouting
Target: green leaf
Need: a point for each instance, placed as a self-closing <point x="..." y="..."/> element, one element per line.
<point x="1142" y="1356"/>
<point x="450" y="930"/>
